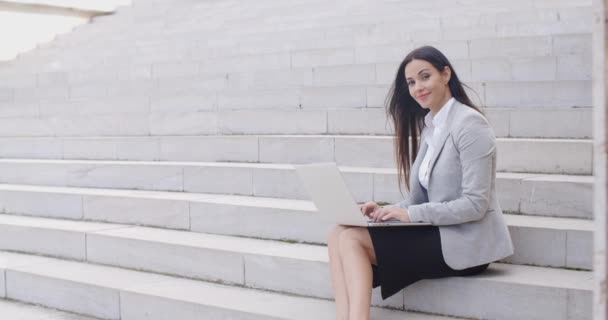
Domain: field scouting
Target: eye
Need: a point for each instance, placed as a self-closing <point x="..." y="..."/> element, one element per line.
<point x="410" y="83"/>
<point x="425" y="76"/>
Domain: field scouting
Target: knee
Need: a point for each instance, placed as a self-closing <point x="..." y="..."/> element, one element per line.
<point x="350" y="237"/>
<point x="355" y="239"/>
<point x="333" y="237"/>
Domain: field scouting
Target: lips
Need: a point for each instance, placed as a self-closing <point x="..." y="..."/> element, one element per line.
<point x="423" y="96"/>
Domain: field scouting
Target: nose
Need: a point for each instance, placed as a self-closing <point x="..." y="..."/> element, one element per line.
<point x="417" y="86"/>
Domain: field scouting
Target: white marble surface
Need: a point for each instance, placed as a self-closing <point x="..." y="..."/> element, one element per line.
<point x="164" y="213"/>
<point x="102" y="283"/>
<point x="558" y="156"/>
<point x="550" y="155"/>
<point x="21" y="311"/>
<point x="272" y="122"/>
<point x="277" y="149"/>
<point x="530" y="57"/>
<point x="555" y="242"/>
<point x="600" y="160"/>
<point x="192" y="261"/>
<point x="536" y="194"/>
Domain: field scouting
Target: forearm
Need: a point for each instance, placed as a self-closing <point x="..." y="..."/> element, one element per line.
<point x="459" y="211"/>
<point x="404" y="204"/>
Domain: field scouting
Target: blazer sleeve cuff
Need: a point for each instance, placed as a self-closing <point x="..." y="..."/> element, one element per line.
<point x="415" y="214"/>
<point x="402" y="204"/>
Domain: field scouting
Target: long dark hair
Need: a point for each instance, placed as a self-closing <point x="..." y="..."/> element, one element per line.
<point x="408" y="115"/>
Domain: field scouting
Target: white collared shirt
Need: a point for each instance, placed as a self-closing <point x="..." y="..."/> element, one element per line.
<point x="435" y="125"/>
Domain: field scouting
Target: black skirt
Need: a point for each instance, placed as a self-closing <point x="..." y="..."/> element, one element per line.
<point x="407" y="254"/>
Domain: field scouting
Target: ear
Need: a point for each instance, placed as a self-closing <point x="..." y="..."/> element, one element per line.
<point x="446" y="74"/>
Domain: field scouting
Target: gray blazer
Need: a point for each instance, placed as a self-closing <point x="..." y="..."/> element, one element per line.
<point x="461" y="197"/>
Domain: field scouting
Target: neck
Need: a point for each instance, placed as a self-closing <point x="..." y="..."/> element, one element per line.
<point x="436" y="109"/>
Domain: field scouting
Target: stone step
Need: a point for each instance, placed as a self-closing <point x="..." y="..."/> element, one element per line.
<point x="553" y="56"/>
<point x="211" y="112"/>
<point x="114" y="293"/>
<point x="370" y="34"/>
<point x="296" y="268"/>
<point x="533" y="194"/>
<point x="507" y="122"/>
<point x="329" y="110"/>
<point x="316" y="48"/>
<point x="570" y="123"/>
<point x="359" y="67"/>
<point x="190" y="113"/>
<point x="376" y="66"/>
<point x="540" y="123"/>
<point x="286" y="27"/>
<point x="506" y="94"/>
<point x="21" y="311"/>
<point x="255" y="40"/>
<point x="553" y="156"/>
<point x="570" y="240"/>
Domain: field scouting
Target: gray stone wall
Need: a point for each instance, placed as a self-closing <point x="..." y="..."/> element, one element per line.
<point x="600" y="87"/>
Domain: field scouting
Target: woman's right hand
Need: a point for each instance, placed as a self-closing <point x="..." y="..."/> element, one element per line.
<point x="369" y="207"/>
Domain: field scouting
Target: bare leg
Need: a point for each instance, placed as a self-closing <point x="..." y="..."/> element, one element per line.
<point x="358" y="255"/>
<point x="337" y="273"/>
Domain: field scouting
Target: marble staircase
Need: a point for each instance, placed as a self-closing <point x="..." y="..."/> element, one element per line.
<point x="146" y="166"/>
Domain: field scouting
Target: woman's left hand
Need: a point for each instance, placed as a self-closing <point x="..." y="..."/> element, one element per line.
<point x="390" y="212"/>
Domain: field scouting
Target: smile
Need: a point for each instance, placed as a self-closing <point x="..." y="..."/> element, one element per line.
<point x="422" y="97"/>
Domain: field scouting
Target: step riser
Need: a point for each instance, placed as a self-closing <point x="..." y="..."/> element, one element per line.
<point x="561" y="61"/>
<point x="371" y="94"/>
<point x="533" y="246"/>
<point x="523" y="123"/>
<point x="373" y="36"/>
<point x="325" y="53"/>
<point x="540" y="123"/>
<point x="24" y="311"/>
<point x="259" y="222"/>
<point x="568" y="248"/>
<point x="555" y="248"/>
<point x="548" y="303"/>
<point x="114" y="304"/>
<point x="530" y="196"/>
<point x="526" y="194"/>
<point x="80" y="298"/>
<point x="58" y="243"/>
<point x="359" y="35"/>
<point x="112" y="293"/>
<point x="550" y="247"/>
<point x="540" y="156"/>
<point x="109" y="303"/>
<point x="298" y="276"/>
<point x="207" y="264"/>
<point x="106" y="303"/>
<point x="146" y="307"/>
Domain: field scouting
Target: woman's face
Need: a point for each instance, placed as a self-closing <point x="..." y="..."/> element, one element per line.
<point x="427" y="85"/>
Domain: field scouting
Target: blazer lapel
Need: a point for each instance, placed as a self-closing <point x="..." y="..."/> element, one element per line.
<point x="415" y="188"/>
<point x="445" y="133"/>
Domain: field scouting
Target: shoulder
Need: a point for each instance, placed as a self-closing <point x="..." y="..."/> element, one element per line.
<point x="472" y="132"/>
<point x="467" y="119"/>
<point x="465" y="113"/>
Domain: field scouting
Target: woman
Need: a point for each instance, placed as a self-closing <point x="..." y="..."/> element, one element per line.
<point x="451" y="185"/>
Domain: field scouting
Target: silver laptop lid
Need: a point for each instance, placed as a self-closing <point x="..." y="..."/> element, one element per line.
<point x="325" y="184"/>
<point x="334" y="202"/>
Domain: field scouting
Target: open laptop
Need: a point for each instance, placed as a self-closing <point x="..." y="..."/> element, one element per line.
<point x="335" y="203"/>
